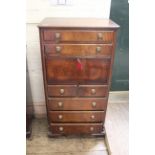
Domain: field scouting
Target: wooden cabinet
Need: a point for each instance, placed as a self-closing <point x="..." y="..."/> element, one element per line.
<point x="77" y="58"/>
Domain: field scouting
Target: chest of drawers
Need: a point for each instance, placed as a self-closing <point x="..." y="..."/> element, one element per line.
<point x="77" y="58"/>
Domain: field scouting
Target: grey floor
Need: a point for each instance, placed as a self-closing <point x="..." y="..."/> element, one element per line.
<point x="117" y="123"/>
<point x="40" y="144"/>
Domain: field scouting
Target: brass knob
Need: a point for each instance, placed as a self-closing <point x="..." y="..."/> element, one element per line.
<point x="62" y="91"/>
<point x="58" y="48"/>
<point x="98" y="49"/>
<point x="57" y="35"/>
<point x="60" y="116"/>
<point x="94" y="104"/>
<point x="61" y="128"/>
<point x="93" y="91"/>
<point x="60" y="104"/>
<point x="91" y="129"/>
<point x="100" y="36"/>
<point x="92" y="116"/>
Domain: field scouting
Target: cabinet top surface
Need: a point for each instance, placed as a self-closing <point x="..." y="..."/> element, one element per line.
<point x="78" y="23"/>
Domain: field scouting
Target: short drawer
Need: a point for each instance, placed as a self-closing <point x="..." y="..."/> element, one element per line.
<point x="78" y="49"/>
<point x="77" y="103"/>
<point x="62" y="90"/>
<point x="93" y="90"/>
<point x="77" y="36"/>
<point x="76" y="128"/>
<point x="76" y="116"/>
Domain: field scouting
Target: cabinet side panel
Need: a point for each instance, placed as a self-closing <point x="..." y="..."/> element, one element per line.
<point x="43" y="68"/>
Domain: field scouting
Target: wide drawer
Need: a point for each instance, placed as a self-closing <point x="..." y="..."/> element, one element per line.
<point x="76" y="116"/>
<point x="76" y="128"/>
<point x="77" y="103"/>
<point x="77" y="36"/>
<point x="77" y="70"/>
<point x="62" y="90"/>
<point x="93" y="90"/>
<point x="78" y="49"/>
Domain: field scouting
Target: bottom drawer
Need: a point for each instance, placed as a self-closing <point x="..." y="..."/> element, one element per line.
<point x="76" y="128"/>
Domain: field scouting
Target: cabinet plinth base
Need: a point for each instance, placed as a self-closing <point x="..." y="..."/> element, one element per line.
<point x="52" y="135"/>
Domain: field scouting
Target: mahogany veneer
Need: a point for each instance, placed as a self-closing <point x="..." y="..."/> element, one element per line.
<point x="76" y="128"/>
<point x="77" y="58"/>
<point x="79" y="49"/>
<point x="77" y="103"/>
<point x="76" y="116"/>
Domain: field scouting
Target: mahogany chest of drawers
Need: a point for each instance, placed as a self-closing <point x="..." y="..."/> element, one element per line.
<point x="77" y="58"/>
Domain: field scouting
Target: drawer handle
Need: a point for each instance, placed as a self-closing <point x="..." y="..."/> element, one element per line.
<point x="93" y="91"/>
<point x="61" y="128"/>
<point x="62" y="91"/>
<point x="100" y="36"/>
<point x="60" y="104"/>
<point x="98" y="49"/>
<point x="94" y="104"/>
<point x="91" y="128"/>
<point x="57" y="35"/>
<point x="60" y="116"/>
<point x="58" y="49"/>
<point x="92" y="116"/>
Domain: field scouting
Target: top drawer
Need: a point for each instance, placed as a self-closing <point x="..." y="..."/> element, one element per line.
<point x="77" y="36"/>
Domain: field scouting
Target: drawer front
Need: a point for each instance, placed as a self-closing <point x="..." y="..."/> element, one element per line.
<point x="78" y="36"/>
<point x="93" y="90"/>
<point x="77" y="103"/>
<point x="62" y="90"/>
<point x="76" y="116"/>
<point x="77" y="70"/>
<point x="78" y="49"/>
<point x="76" y="128"/>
